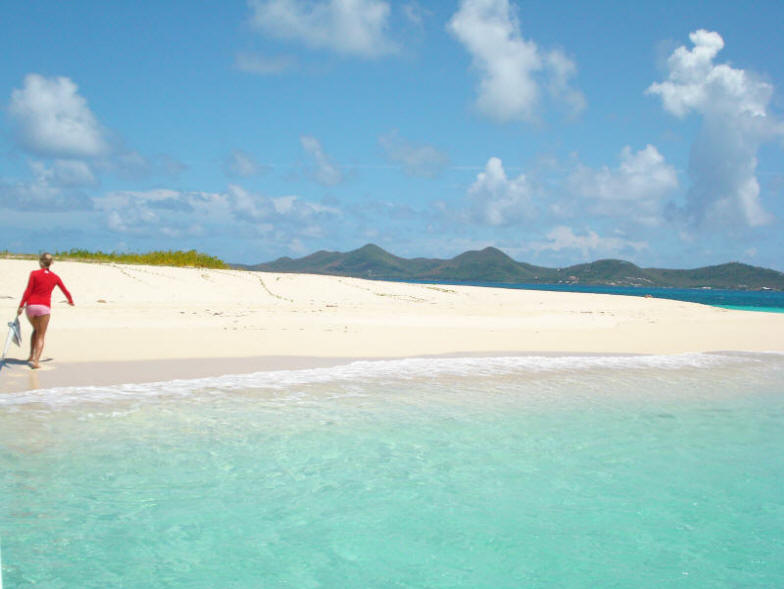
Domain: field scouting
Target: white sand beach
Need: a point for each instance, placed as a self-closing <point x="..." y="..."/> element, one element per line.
<point x="141" y="323"/>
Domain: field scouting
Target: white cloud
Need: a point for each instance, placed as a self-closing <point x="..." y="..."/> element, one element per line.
<point x="281" y="217"/>
<point x="637" y="188"/>
<point x="283" y="204"/>
<point x="508" y="64"/>
<point x="241" y="164"/>
<point x="417" y="160"/>
<point x="321" y="168"/>
<point x="560" y="71"/>
<point x="235" y="213"/>
<point x="130" y="164"/>
<point x="297" y="247"/>
<point x="170" y="212"/>
<point x="590" y="244"/>
<point x="414" y="13"/>
<point x="31" y="195"/>
<point x="53" y="119"/>
<point x="348" y="27"/>
<point x="498" y="200"/>
<point x="294" y="206"/>
<point x="66" y="173"/>
<point x="118" y="198"/>
<point x="733" y="105"/>
<point x="249" y="206"/>
<point x="56" y="187"/>
<point x="254" y="63"/>
<point x="696" y="83"/>
<point x="506" y="61"/>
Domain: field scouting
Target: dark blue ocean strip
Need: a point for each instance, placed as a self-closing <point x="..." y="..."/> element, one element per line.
<point x="747" y="300"/>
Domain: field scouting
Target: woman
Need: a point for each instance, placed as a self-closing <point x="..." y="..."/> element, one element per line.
<point x="38" y="298"/>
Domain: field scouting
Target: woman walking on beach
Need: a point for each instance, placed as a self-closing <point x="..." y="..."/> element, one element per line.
<point x="38" y="298"/>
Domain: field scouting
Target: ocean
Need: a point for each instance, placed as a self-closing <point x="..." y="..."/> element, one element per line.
<point x="519" y="471"/>
<point x="771" y="301"/>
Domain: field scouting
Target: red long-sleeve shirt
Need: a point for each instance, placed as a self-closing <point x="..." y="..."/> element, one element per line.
<point x="40" y="287"/>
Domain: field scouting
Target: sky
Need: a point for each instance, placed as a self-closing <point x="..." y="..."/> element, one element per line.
<point x="559" y="132"/>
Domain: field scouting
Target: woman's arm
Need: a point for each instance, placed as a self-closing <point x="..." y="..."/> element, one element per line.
<point x="65" y="291"/>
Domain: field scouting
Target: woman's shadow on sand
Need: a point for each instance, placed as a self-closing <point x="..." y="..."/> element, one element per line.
<point x="17" y="362"/>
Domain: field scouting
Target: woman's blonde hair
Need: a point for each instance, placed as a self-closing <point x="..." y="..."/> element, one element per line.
<point x="46" y="259"/>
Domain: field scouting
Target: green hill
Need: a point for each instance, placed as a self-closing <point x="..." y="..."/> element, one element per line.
<point x="487" y="265"/>
<point x="731" y="275"/>
<point x="369" y="261"/>
<point x="610" y="272"/>
<point x="493" y="265"/>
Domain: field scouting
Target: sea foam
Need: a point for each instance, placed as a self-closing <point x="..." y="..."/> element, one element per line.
<point x="368" y="372"/>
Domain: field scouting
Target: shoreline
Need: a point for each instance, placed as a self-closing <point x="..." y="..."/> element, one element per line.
<point x="142" y="323"/>
<point x="18" y="377"/>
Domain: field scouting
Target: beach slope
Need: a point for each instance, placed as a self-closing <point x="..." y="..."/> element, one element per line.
<point x="144" y="322"/>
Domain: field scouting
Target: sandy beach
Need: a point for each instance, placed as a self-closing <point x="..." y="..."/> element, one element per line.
<point x="144" y="323"/>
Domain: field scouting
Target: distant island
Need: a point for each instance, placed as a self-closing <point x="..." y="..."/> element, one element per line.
<point x="493" y="265"/>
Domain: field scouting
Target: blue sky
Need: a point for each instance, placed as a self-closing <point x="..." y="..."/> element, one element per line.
<point x="559" y="132"/>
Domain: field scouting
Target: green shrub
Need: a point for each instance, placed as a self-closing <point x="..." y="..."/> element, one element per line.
<point x="156" y="258"/>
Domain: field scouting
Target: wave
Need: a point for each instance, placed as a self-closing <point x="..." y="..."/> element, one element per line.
<point x="380" y="371"/>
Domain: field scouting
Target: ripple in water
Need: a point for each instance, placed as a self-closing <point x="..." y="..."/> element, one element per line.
<point x="480" y="472"/>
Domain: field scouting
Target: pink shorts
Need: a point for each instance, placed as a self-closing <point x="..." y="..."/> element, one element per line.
<point x="38" y="310"/>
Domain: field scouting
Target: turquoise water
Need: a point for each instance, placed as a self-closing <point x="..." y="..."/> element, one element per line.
<point x="753" y="308"/>
<point x="770" y="301"/>
<point x="484" y="472"/>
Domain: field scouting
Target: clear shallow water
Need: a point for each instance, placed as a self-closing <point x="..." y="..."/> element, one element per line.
<point x="481" y="472"/>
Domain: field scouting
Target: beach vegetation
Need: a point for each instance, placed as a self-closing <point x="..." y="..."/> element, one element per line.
<point x="189" y="258"/>
<point x="155" y="258"/>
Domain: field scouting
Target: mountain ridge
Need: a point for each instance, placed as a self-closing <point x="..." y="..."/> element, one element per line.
<point x="493" y="265"/>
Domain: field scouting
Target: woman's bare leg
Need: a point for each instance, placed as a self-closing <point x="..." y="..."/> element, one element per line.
<point x="33" y="338"/>
<point x="40" y="324"/>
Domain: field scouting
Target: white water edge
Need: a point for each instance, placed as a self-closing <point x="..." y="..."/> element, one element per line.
<point x="400" y="370"/>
